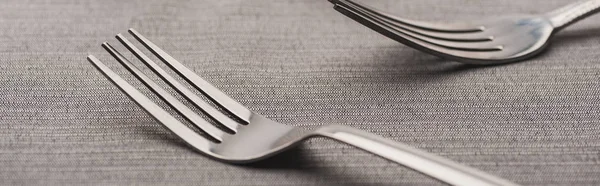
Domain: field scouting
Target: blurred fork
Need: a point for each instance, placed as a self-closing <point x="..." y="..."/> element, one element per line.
<point x="484" y="42"/>
<point x="247" y="136"/>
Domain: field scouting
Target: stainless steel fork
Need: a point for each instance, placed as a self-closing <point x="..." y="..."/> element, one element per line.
<point x="485" y="42"/>
<point x="243" y="136"/>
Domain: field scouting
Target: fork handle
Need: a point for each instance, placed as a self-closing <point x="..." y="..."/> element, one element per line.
<point x="432" y="165"/>
<point x="572" y="13"/>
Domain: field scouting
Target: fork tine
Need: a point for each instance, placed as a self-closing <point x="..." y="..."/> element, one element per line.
<point x="227" y="103"/>
<point x="400" y="34"/>
<point x="424" y="25"/>
<point x="165" y="96"/>
<point x="473" y="36"/>
<point x="186" y="134"/>
<point x="403" y="38"/>
<point x="192" y="97"/>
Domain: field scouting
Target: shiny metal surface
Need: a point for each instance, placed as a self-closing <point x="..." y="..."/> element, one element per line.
<point x="486" y="42"/>
<point x="255" y="137"/>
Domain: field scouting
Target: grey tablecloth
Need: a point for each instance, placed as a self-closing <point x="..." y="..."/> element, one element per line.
<point x="300" y="63"/>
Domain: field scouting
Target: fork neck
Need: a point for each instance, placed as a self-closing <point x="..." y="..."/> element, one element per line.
<point x="432" y="165"/>
<point x="572" y="13"/>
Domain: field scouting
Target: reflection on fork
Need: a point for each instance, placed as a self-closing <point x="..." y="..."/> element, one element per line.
<point x="242" y="136"/>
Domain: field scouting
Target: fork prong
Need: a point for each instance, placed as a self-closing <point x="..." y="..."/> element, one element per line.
<point x="227" y="103"/>
<point x="456" y="27"/>
<point x="186" y="134"/>
<point x="383" y="26"/>
<point x="165" y="96"/>
<point x="187" y="93"/>
<point x="477" y="35"/>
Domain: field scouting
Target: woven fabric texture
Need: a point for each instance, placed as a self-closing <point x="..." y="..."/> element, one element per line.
<point x="301" y="63"/>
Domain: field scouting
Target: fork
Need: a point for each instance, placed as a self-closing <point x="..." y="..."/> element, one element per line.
<point x="242" y="136"/>
<point x="483" y="42"/>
